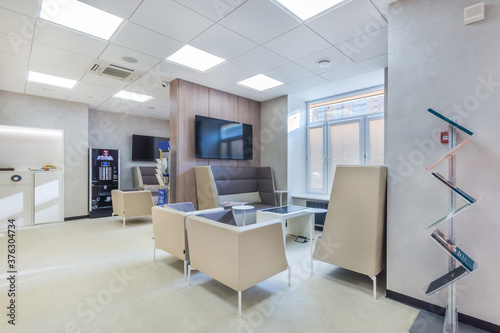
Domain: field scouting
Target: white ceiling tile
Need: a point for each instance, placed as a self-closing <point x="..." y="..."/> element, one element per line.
<point x="214" y="10"/>
<point x="104" y="81"/>
<point x="117" y="105"/>
<point x="143" y="111"/>
<point x="162" y="103"/>
<point x="231" y="72"/>
<point x="171" y="19"/>
<point x="222" y="42"/>
<point x="46" y="90"/>
<point x="346" y="22"/>
<point x="310" y="82"/>
<point x="336" y="57"/>
<point x="143" y="40"/>
<point x="367" y="46"/>
<point x="170" y="71"/>
<point x="17" y="25"/>
<point x="289" y="73"/>
<point x="120" y="8"/>
<point x="25" y="7"/>
<point x="344" y="72"/>
<point x="91" y="94"/>
<point x="49" y="60"/>
<point x="114" y="53"/>
<point x="12" y="85"/>
<point x="242" y="91"/>
<point x="14" y="74"/>
<point x="148" y="85"/>
<point x="69" y="40"/>
<point x="375" y="63"/>
<point x="14" y="61"/>
<point x="14" y="45"/>
<point x="260" y="60"/>
<point x="210" y="81"/>
<point x="383" y="7"/>
<point x="297" y="43"/>
<point x="259" y="21"/>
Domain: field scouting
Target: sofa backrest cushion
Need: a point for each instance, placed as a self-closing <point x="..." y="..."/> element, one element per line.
<point x="235" y="180"/>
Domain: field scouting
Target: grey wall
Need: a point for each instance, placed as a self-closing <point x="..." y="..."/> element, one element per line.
<point x="435" y="61"/>
<point x="32" y="111"/>
<point x="114" y="131"/>
<point x="273" y="119"/>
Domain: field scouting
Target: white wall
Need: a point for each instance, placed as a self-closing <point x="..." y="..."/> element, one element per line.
<point x="114" y="131"/>
<point x="435" y="61"/>
<point x="39" y="112"/>
<point x="297" y="149"/>
<point x="273" y="133"/>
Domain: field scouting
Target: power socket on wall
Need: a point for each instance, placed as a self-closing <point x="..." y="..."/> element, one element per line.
<point x="474" y="13"/>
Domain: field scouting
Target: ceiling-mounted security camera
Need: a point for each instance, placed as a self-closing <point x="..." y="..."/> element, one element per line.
<point x="165" y="84"/>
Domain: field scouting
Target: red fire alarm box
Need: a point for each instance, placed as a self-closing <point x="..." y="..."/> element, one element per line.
<point x="445" y="137"/>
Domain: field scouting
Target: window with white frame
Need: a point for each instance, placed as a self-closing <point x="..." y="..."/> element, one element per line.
<point x="343" y="130"/>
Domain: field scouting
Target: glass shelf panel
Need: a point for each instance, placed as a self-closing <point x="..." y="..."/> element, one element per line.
<point x="458" y="191"/>
<point x="451" y="122"/>
<point x="447" y="217"/>
<point x="451" y="153"/>
<point x="458" y="254"/>
<point x="443" y="281"/>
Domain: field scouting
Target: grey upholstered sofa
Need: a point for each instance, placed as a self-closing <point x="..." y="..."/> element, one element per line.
<point x="217" y="184"/>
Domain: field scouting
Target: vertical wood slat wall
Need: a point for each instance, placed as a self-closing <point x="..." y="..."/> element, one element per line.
<point x="187" y="100"/>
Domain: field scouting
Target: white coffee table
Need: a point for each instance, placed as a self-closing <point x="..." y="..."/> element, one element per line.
<point x="298" y="213"/>
<point x="313" y="212"/>
<point x="242" y="208"/>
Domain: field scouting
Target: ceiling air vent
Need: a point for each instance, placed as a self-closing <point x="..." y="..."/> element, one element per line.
<point x="104" y="68"/>
<point x="474" y="13"/>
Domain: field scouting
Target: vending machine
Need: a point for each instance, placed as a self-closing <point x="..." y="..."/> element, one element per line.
<point x="104" y="176"/>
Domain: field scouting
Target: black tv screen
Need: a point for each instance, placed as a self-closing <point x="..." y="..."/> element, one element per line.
<point x="222" y="139"/>
<point x="145" y="148"/>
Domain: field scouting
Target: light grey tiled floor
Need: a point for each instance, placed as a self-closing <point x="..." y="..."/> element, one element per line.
<point x="95" y="276"/>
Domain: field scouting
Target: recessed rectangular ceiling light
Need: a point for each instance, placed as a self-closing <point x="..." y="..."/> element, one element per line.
<point x="306" y="10"/>
<point x="195" y="58"/>
<point x="51" y="80"/>
<point x="132" y="96"/>
<point x="79" y="16"/>
<point x="260" y="82"/>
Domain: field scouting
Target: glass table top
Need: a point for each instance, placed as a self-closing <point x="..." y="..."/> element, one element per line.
<point x="284" y="209"/>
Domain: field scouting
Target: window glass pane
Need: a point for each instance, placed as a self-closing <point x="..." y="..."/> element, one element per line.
<point x="316" y="172"/>
<point x="377" y="141"/>
<point x="344" y="145"/>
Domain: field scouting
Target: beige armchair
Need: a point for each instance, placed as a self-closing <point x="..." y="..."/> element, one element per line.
<point x="131" y="203"/>
<point x="169" y="228"/>
<point x="239" y="257"/>
<point x="354" y="232"/>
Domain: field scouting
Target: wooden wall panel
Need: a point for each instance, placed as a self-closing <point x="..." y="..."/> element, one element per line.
<point x="193" y="99"/>
<point x="249" y="113"/>
<point x="187" y="100"/>
<point x="223" y="106"/>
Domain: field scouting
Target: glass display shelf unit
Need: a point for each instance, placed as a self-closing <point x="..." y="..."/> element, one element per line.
<point x="447" y="217"/>
<point x="451" y="153"/>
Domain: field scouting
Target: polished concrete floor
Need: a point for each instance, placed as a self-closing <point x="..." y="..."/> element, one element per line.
<point x="96" y="276"/>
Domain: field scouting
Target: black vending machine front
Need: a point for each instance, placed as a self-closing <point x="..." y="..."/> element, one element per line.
<point x="104" y="176"/>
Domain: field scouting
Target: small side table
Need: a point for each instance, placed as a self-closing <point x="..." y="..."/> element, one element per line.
<point x="243" y="208"/>
<point x="281" y="196"/>
<point x="313" y="212"/>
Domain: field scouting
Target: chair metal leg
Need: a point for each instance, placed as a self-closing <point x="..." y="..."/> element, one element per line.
<point x="154" y="253"/>
<point x="239" y="303"/>
<point x="124" y="222"/>
<point x="189" y="275"/>
<point x="374" y="278"/>
<point x="112" y="217"/>
<point x="185" y="269"/>
<point x="289" y="275"/>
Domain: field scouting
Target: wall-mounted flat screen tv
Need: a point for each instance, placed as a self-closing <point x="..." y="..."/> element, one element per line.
<point x="222" y="139"/>
<point x="145" y="148"/>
